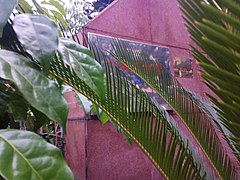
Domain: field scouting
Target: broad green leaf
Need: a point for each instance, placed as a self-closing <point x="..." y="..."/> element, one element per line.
<point x="38" y="35"/>
<point x="25" y="155"/>
<point x="100" y="114"/>
<point x="59" y="6"/>
<point x="4" y="120"/>
<point x="6" y="8"/>
<point x="53" y="12"/>
<point x="84" y="103"/>
<point x="103" y="117"/>
<point x="53" y="4"/>
<point x="24" y="7"/>
<point x="88" y="106"/>
<point x="84" y="65"/>
<point x="19" y="107"/>
<point x="42" y="93"/>
<point x="38" y="7"/>
<point x="94" y="108"/>
<point x="4" y="101"/>
<point x="60" y="18"/>
<point x="40" y="118"/>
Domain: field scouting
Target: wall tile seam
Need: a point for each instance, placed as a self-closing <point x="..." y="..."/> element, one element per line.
<point x="102" y="12"/>
<point x="101" y="32"/>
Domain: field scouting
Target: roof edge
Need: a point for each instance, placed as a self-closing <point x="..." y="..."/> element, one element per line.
<point x="101" y="13"/>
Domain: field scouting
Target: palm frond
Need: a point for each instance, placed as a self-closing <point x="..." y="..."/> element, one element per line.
<point x="140" y="118"/>
<point x="210" y="174"/>
<point x="195" y="119"/>
<point x="216" y="32"/>
<point x="209" y="109"/>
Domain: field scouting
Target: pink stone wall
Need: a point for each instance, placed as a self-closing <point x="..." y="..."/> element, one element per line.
<point x="111" y="157"/>
<point x="98" y="152"/>
<point x="153" y="22"/>
<point x="75" y="148"/>
<point x="74" y="151"/>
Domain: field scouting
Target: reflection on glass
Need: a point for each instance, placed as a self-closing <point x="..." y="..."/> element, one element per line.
<point x="183" y="67"/>
<point x="158" y="54"/>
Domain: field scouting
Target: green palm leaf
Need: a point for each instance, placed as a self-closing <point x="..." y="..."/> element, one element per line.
<point x="140" y="118"/>
<point x="196" y="120"/>
<point x="219" y="38"/>
<point x="147" y="125"/>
